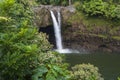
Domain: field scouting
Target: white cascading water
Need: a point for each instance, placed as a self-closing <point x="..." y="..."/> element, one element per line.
<point x="57" y="29"/>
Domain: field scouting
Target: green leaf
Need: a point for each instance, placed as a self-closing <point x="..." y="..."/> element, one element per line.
<point x="50" y="77"/>
<point x="41" y="70"/>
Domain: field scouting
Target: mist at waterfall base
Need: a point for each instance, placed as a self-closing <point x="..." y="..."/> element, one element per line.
<point x="57" y="31"/>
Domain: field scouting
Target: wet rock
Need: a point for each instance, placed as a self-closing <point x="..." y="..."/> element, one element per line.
<point x="43" y="17"/>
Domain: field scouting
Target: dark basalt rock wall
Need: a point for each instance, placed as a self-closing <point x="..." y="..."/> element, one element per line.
<point x="75" y="39"/>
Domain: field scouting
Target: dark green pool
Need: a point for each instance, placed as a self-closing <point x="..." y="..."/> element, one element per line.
<point x="108" y="63"/>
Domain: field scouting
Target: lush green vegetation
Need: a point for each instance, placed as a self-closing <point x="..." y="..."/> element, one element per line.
<point x="54" y="2"/>
<point x="99" y="8"/>
<point x="86" y="72"/>
<point x="26" y="54"/>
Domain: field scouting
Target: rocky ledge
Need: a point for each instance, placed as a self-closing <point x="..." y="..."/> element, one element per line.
<point x="42" y="14"/>
<point x="91" y="42"/>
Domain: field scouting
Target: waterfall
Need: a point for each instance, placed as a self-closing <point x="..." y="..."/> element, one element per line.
<point x="57" y="26"/>
<point x="58" y="37"/>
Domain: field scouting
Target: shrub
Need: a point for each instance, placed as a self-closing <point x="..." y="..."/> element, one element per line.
<point x="94" y="7"/>
<point x="78" y="6"/>
<point x="52" y="69"/>
<point x="85" y="72"/>
<point x="117" y="11"/>
<point x="23" y="51"/>
<point x="99" y="8"/>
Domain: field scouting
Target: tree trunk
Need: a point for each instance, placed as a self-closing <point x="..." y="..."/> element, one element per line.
<point x="70" y="2"/>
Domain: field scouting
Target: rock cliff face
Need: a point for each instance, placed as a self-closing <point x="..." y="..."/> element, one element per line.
<point x="42" y="14"/>
<point x="76" y="34"/>
<point x="91" y="42"/>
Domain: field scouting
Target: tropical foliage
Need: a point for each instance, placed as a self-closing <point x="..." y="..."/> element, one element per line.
<point x="54" y="2"/>
<point x="24" y="53"/>
<point x="99" y="8"/>
<point x="86" y="72"/>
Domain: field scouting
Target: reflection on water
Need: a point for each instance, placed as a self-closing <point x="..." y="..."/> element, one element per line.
<point x="108" y="63"/>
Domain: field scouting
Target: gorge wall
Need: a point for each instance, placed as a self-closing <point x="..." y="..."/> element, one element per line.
<point x="76" y="33"/>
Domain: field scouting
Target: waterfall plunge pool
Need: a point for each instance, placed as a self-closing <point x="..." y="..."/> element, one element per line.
<point x="108" y="63"/>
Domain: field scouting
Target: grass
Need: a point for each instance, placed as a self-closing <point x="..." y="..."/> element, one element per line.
<point x="116" y="37"/>
<point x="100" y="35"/>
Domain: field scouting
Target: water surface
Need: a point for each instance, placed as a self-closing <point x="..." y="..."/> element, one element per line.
<point x="108" y="63"/>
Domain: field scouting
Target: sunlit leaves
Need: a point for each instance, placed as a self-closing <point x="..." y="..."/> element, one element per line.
<point x="86" y="72"/>
<point x="5" y="5"/>
<point x="3" y="18"/>
<point x="101" y="8"/>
